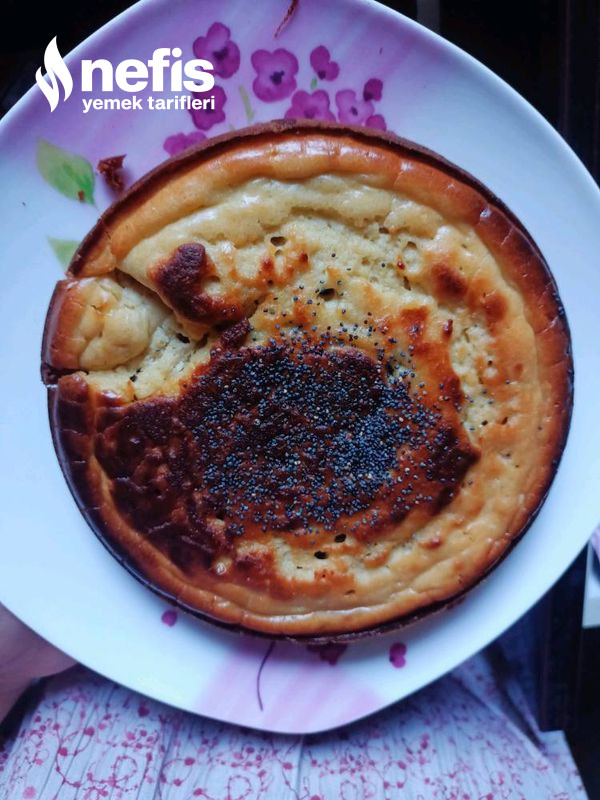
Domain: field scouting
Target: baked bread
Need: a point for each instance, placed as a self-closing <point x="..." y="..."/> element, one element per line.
<point x="308" y="380"/>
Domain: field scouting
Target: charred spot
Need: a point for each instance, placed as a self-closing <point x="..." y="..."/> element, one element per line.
<point x="450" y="463"/>
<point x="495" y="307"/>
<point x="257" y="562"/>
<point x="294" y="437"/>
<point x="235" y="335"/>
<point x="448" y="282"/>
<point x="447" y="327"/>
<point x="180" y="281"/>
<point x="73" y="401"/>
<point x="450" y="388"/>
<point x="413" y="321"/>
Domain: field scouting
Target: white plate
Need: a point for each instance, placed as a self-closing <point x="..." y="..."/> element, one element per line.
<point x="54" y="573"/>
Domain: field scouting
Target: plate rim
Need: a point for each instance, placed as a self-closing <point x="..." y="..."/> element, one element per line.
<point x="471" y="63"/>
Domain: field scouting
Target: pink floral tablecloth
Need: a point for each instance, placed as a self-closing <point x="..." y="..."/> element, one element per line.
<point x="469" y="736"/>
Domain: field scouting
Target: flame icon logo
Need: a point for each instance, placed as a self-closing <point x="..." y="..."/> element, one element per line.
<point x="55" y="68"/>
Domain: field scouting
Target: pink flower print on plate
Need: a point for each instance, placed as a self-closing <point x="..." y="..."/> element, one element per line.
<point x="181" y="141"/>
<point x="351" y="109"/>
<point x="219" y="49"/>
<point x="205" y="118"/>
<point x="275" y="74"/>
<point x="373" y="89"/>
<point x="331" y="653"/>
<point x="169" y="617"/>
<point x="377" y="122"/>
<point x="320" y="61"/>
<point x="310" y="106"/>
<point x="398" y="655"/>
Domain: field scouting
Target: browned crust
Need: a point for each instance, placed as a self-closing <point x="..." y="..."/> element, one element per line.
<point x="523" y="266"/>
<point x="176" y="282"/>
<point x="58" y="320"/>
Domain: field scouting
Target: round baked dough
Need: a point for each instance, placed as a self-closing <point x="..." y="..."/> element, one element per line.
<point x="308" y="380"/>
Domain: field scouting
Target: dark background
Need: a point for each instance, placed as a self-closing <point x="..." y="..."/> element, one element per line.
<point x="549" y="50"/>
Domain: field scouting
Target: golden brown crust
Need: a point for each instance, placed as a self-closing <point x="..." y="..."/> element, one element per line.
<point x="179" y="281"/>
<point x="520" y="360"/>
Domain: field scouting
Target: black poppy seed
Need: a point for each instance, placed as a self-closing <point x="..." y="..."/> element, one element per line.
<point x="294" y="434"/>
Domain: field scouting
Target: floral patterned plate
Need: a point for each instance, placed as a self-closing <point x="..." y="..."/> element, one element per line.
<point x="350" y="60"/>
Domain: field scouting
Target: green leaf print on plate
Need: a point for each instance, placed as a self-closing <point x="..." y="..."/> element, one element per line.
<point x="70" y="174"/>
<point x="63" y="249"/>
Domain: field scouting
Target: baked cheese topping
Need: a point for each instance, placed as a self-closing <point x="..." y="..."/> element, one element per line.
<point x="316" y="379"/>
